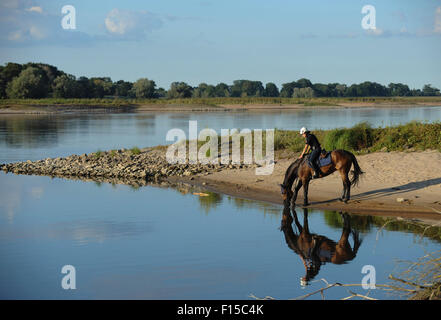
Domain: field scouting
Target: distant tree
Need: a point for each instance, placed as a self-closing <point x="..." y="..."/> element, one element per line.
<point x="222" y="90"/>
<point x="160" y="93"/>
<point x="340" y="90"/>
<point x="303" y="93"/>
<point x="10" y="71"/>
<point x="204" y="91"/>
<point x="271" y="90"/>
<point x="29" y="84"/>
<point x="84" y="88"/>
<point x="398" y="89"/>
<point x="144" y="88"/>
<point x="100" y="87"/>
<point x="288" y="88"/>
<point x="428" y="90"/>
<point x="122" y="88"/>
<point x="179" y="90"/>
<point x="416" y="93"/>
<point x="247" y="88"/>
<point x="304" y="83"/>
<point x="322" y="90"/>
<point x="65" y="86"/>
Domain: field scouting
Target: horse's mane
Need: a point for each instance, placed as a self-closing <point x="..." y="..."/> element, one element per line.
<point x="291" y="173"/>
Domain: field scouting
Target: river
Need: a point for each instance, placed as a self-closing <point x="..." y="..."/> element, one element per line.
<point x="168" y="243"/>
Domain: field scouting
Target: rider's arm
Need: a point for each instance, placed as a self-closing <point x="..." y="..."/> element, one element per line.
<point x="304" y="150"/>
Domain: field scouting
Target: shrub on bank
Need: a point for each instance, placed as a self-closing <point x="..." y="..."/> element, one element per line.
<point x="363" y="138"/>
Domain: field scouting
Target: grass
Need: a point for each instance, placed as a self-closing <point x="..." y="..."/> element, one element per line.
<point x="98" y="154"/>
<point x="362" y="138"/>
<point x="135" y="150"/>
<point x="359" y="139"/>
<point x="216" y="102"/>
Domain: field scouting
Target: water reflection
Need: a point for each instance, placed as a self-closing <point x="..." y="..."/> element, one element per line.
<point x="316" y="250"/>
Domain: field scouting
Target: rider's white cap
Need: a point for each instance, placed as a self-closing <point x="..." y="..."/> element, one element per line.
<point x="303" y="130"/>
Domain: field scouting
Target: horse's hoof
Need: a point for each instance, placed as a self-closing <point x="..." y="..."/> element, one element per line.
<point x="346" y="201"/>
<point x="340" y="199"/>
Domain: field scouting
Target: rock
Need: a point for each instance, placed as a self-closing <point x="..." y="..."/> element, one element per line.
<point x="401" y="200"/>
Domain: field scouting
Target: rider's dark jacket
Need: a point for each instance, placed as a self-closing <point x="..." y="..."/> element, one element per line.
<point x="313" y="142"/>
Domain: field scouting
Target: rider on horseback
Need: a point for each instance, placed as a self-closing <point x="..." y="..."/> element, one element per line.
<point x="312" y="143"/>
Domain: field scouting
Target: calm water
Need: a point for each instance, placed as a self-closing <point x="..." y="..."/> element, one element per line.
<point x="167" y="243"/>
<point x="36" y="137"/>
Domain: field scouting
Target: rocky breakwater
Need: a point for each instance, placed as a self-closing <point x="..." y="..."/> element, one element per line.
<point x="122" y="165"/>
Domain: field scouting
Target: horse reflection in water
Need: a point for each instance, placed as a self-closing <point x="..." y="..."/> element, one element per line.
<point x="315" y="250"/>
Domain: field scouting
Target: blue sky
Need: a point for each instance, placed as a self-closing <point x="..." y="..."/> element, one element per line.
<point x="220" y="41"/>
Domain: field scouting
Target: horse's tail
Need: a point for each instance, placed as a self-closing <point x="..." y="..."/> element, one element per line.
<point x="357" y="172"/>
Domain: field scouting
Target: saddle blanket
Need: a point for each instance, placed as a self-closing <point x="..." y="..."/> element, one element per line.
<point x="326" y="161"/>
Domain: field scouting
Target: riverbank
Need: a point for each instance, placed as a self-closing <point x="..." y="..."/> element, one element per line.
<point x="51" y="106"/>
<point x="399" y="184"/>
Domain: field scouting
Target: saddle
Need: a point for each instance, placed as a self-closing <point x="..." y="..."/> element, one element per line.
<point x="323" y="160"/>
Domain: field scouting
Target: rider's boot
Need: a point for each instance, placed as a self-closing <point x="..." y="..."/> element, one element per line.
<point x="317" y="172"/>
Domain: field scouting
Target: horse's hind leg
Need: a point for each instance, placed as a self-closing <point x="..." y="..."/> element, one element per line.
<point x="346" y="187"/>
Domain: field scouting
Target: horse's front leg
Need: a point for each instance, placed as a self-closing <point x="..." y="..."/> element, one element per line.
<point x="305" y="192"/>
<point x="296" y="191"/>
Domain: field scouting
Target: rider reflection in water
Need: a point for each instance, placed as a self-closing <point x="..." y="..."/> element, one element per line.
<point x="315" y="250"/>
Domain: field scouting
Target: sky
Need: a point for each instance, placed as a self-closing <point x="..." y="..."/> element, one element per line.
<point x="221" y="41"/>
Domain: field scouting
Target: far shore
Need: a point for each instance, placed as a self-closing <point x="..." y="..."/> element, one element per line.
<point x="49" y="108"/>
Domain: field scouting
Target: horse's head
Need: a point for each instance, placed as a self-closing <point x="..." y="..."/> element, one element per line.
<point x="285" y="192"/>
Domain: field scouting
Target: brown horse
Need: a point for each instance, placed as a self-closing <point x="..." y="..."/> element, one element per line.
<point x="316" y="250"/>
<point x="300" y="174"/>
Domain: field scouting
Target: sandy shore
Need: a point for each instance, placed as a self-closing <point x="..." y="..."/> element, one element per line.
<point x="398" y="184"/>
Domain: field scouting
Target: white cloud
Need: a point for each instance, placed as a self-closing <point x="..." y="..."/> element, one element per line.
<point x="375" y="32"/>
<point x="131" y="24"/>
<point x="35" y="9"/>
<point x="36" y="32"/>
<point x="120" y="22"/>
<point x="437" y="26"/>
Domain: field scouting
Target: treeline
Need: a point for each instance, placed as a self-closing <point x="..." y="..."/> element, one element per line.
<point x="39" y="80"/>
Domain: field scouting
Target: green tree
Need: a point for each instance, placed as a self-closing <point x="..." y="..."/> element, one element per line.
<point x="29" y="84"/>
<point x="222" y="90"/>
<point x="100" y="87"/>
<point x="144" y="88"/>
<point x="65" y="86"/>
<point x="247" y="88"/>
<point x="204" y="91"/>
<point x="179" y="90"/>
<point x="303" y="93"/>
<point x="271" y="90"/>
<point x="398" y="89"/>
<point x="322" y="90"/>
<point x="122" y="88"/>
<point x="428" y="90"/>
